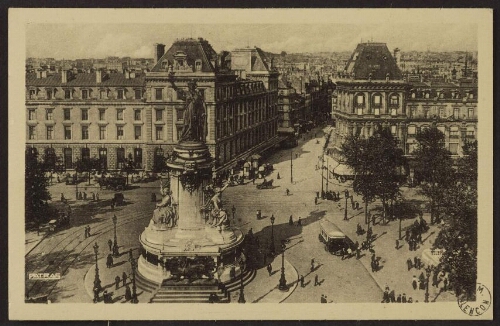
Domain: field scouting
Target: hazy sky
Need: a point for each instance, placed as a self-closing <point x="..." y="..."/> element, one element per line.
<point x="71" y="41"/>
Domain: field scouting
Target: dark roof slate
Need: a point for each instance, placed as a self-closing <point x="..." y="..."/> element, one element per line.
<point x="374" y="58"/>
<point x="195" y="49"/>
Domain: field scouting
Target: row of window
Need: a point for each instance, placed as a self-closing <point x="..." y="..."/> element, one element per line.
<point x="441" y="111"/>
<point x="84" y="114"/>
<point x="454" y="131"/>
<point x="85" y="94"/>
<point x="377" y="100"/>
<point x="120" y="133"/>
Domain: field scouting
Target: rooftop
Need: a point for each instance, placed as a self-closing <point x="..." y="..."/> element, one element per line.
<point x="372" y="60"/>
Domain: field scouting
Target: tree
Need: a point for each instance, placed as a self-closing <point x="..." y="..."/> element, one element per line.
<point x="128" y="166"/>
<point x="159" y="164"/>
<point x="356" y="154"/>
<point x="36" y="192"/>
<point x="459" y="234"/>
<point x="433" y="166"/>
<point x="375" y="162"/>
<point x="87" y="165"/>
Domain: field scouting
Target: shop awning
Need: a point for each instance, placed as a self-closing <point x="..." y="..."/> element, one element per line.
<point x="343" y="169"/>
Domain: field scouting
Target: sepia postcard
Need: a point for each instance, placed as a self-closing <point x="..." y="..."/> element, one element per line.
<point x="270" y="164"/>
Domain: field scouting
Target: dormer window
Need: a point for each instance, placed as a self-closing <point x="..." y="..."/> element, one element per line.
<point x="85" y="94"/>
<point x="49" y="93"/>
<point x="67" y="94"/>
<point x="32" y="94"/>
<point x="121" y="94"/>
<point x="197" y="65"/>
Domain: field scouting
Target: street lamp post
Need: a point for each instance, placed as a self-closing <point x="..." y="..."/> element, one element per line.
<point x="291" y="167"/>
<point x="428" y="274"/>
<point x="241" y="299"/>
<point x="322" y="170"/>
<point x="282" y="285"/>
<point x="133" y="264"/>
<point x="345" y="209"/>
<point x="97" y="281"/>
<point x="271" y="247"/>
<point x="115" y="242"/>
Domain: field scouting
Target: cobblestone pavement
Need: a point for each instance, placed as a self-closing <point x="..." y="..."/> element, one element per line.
<point x="69" y="252"/>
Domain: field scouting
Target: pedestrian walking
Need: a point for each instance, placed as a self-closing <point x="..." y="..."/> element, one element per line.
<point x="88" y="231"/>
<point x="403" y="298"/>
<point x="358" y="253"/>
<point x="128" y="293"/>
<point x="312" y="265"/>
<point x="233" y="211"/>
<point x="93" y="196"/>
<point x="409" y="263"/>
<point x="323" y="299"/>
<point x="290" y="221"/>
<point x="374" y="258"/>
<point x="397" y="244"/>
<point x="84" y="195"/>
<point x="302" y="281"/>
<point x="392" y="296"/>
<point x="373" y="266"/>
<point x="62" y="197"/>
<point x="398" y="300"/>
<point x="278" y="176"/>
<point x="270" y="269"/>
<point x="421" y="279"/>
<point x="315" y="200"/>
<point x="96" y="295"/>
<point x="299" y="221"/>
<point x="316" y="280"/>
<point x="414" y="282"/>
<point x="97" y="196"/>
<point x="110" y="244"/>
<point x="117" y="282"/>
<point x="415" y="262"/>
<point x="385" y="297"/>
<point x="287" y="192"/>
<point x="124" y="278"/>
<point x="109" y="261"/>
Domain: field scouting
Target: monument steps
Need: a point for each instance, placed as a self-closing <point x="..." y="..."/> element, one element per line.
<point x="188" y="294"/>
<point x="144" y="284"/>
<point x="235" y="284"/>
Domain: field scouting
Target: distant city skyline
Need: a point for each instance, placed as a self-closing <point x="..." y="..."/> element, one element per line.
<point x="80" y="41"/>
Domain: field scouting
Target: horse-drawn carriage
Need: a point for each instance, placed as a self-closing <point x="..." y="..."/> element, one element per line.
<point x="266" y="184"/>
<point x="116" y="182"/>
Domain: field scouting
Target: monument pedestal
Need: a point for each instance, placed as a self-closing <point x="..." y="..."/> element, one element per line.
<point x="179" y="244"/>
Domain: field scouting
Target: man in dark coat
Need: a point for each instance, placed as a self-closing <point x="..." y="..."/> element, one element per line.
<point x="117" y="282"/>
<point x="398" y="300"/>
<point x="109" y="261"/>
<point x="290" y="221"/>
<point x="422" y="281"/>
<point x="392" y="296"/>
<point x="316" y="280"/>
<point x="403" y="298"/>
<point x="269" y="269"/>
<point x="302" y="281"/>
<point x="385" y="298"/>
<point x="110" y="244"/>
<point x="415" y="262"/>
<point x="128" y="293"/>
<point x="414" y="283"/>
<point x="124" y="278"/>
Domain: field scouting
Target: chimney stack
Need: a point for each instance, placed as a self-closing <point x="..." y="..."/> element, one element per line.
<point x="64" y="75"/>
<point x="98" y="76"/>
<point x="132" y="74"/>
<point x="159" y="51"/>
<point x="387" y="77"/>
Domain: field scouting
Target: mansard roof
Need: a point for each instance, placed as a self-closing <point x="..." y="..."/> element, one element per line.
<point x="193" y="49"/>
<point x="375" y="59"/>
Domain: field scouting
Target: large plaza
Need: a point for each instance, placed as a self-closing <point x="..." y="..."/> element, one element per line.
<point x="70" y="252"/>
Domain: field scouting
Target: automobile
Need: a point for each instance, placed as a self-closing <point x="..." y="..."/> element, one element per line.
<point x="334" y="239"/>
<point x="119" y="198"/>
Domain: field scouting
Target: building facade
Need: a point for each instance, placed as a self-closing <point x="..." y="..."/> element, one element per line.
<point x="134" y="115"/>
<point x="374" y="94"/>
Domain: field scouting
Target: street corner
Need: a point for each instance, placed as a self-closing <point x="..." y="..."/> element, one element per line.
<point x="109" y="277"/>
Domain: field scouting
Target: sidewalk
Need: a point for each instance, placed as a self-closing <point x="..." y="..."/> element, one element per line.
<point x="262" y="288"/>
<point x="393" y="271"/>
<point x="32" y="239"/>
